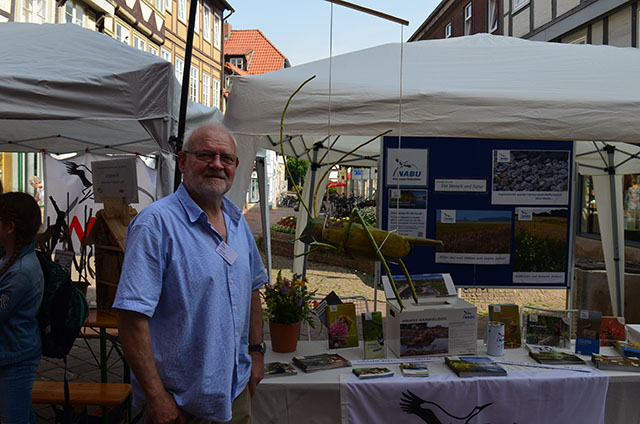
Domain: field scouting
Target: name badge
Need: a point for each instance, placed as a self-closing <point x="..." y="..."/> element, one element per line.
<point x="227" y="253"/>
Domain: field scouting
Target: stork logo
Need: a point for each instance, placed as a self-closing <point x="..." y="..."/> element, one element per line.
<point x="406" y="170"/>
<point x="504" y="156"/>
<point x="83" y="173"/>
<point x="432" y="413"/>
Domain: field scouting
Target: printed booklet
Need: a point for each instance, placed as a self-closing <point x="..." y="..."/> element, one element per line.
<point x="615" y="363"/>
<point x="376" y="372"/>
<point x="547" y="328"/>
<point x="414" y="369"/>
<point x="342" y="324"/>
<point x="474" y="366"/>
<point x="556" y="358"/>
<point x="510" y="317"/>
<point x="372" y="335"/>
<point x="628" y="349"/>
<point x="588" y="333"/>
<point x="278" y="369"/>
<point x="323" y="361"/>
<point x="612" y="330"/>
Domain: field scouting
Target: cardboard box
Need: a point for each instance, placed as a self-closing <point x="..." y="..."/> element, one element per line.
<point x="436" y="326"/>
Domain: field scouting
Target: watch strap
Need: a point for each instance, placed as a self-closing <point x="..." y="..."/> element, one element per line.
<point x="261" y="348"/>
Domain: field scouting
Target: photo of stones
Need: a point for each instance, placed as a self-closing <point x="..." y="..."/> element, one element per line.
<point x="531" y="171"/>
<point x="424" y="338"/>
<point x="541" y="243"/>
<point x="425" y="286"/>
<point x="475" y="231"/>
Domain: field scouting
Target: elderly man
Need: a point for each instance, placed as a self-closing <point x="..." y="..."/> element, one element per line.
<point x="189" y="312"/>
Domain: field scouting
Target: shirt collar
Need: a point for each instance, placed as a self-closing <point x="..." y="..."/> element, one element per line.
<point x="194" y="211"/>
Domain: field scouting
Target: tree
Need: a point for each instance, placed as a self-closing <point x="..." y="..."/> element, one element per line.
<point x="298" y="169"/>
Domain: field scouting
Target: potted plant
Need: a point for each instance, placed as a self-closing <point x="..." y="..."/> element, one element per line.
<point x="288" y="303"/>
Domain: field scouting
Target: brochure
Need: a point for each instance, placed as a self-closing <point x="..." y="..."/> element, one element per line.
<point x="376" y="372"/>
<point x="474" y="366"/>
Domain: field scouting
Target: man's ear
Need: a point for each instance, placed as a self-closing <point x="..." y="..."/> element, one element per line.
<point x="182" y="158"/>
<point x="11" y="227"/>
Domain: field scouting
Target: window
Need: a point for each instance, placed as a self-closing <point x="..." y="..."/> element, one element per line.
<point x="237" y="62"/>
<point x="73" y="13"/>
<point x="196" y="25"/>
<point x="217" y="31"/>
<point x="206" y="22"/>
<point x="517" y="4"/>
<point x="153" y="50"/>
<point x="447" y="30"/>
<point x="165" y="54"/>
<point x="139" y="43"/>
<point x="206" y="89"/>
<point x="35" y="11"/>
<point x="193" y="84"/>
<point x="122" y="34"/>
<point x="493" y="16"/>
<point x="160" y="5"/>
<point x="182" y="10"/>
<point x="467" y="19"/>
<point x="179" y="69"/>
<point x="168" y="5"/>
<point x="216" y="93"/>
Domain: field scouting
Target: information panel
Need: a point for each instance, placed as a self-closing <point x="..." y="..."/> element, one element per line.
<point x="501" y="207"/>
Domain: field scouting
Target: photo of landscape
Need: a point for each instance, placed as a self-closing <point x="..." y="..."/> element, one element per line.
<point x="424" y="338"/>
<point x="541" y="243"/>
<point x="475" y="231"/>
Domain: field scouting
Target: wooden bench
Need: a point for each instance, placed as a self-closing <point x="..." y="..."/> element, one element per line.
<point x="81" y="393"/>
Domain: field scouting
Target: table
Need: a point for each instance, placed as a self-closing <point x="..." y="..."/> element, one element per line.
<point x="316" y="397"/>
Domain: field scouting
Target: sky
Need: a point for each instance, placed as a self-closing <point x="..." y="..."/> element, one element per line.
<point x="301" y="29"/>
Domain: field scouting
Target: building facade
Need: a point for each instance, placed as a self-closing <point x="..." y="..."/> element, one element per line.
<point x="158" y="27"/>
<point x="455" y="18"/>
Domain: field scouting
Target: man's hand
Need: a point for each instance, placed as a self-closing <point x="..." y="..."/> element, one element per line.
<point x="257" y="371"/>
<point x="164" y="410"/>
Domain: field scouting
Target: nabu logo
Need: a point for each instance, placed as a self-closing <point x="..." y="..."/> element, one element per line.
<point x="406" y="169"/>
<point x="469" y="315"/>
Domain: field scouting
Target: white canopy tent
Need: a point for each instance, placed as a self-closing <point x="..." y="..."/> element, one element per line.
<point x="67" y="89"/>
<point x="478" y="86"/>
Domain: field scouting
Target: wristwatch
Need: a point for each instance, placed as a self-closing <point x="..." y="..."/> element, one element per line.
<point x="261" y="348"/>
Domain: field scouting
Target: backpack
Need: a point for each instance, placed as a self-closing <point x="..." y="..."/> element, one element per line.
<point x="63" y="310"/>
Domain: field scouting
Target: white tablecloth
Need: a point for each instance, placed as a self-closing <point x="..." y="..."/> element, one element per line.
<point x="316" y="397"/>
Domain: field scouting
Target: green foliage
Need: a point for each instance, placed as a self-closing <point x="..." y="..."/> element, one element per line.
<point x="288" y="302"/>
<point x="369" y="215"/>
<point x="298" y="169"/>
<point x="332" y="190"/>
<point x="538" y="254"/>
<point x="286" y="225"/>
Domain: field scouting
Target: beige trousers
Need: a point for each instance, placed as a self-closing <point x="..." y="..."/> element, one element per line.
<point x="240" y="412"/>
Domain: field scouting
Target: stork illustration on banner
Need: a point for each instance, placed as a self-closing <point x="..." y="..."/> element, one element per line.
<point x="412" y="404"/>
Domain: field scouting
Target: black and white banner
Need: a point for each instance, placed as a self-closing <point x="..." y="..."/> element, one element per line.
<point x="69" y="182"/>
<point x="523" y="397"/>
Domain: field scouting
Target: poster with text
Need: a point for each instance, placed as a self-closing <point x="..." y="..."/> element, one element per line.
<point x="408" y="212"/>
<point x="480" y="237"/>
<point x="407" y="167"/>
<point x="540" y="245"/>
<point x="530" y="177"/>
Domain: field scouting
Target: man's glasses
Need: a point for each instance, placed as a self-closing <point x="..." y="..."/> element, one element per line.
<point x="209" y="156"/>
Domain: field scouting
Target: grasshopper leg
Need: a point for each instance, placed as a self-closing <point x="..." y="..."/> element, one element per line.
<point x="356" y="215"/>
<point x="411" y="286"/>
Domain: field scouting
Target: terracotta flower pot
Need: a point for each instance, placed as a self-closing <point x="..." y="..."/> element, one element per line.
<point x="284" y="337"/>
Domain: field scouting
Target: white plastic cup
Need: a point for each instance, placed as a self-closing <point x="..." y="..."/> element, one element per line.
<point x="494" y="338"/>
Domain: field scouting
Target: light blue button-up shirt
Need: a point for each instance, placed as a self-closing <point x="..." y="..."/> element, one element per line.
<point x="198" y="305"/>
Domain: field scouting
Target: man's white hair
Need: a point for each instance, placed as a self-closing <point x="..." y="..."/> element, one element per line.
<point x="189" y="135"/>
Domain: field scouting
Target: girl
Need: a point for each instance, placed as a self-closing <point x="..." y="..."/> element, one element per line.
<point x="21" y="288"/>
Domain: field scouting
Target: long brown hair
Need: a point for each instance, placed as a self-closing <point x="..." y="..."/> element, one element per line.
<point x="24" y="212"/>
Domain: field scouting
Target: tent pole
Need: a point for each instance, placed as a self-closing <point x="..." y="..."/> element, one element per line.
<point x="177" y="141"/>
<point x="611" y="169"/>
<point x="261" y="170"/>
<point x="314" y="169"/>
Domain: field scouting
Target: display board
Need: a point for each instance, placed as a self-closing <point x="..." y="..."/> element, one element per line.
<point x="502" y="208"/>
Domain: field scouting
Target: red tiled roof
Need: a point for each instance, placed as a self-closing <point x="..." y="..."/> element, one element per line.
<point x="262" y="55"/>
<point x="235" y="69"/>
